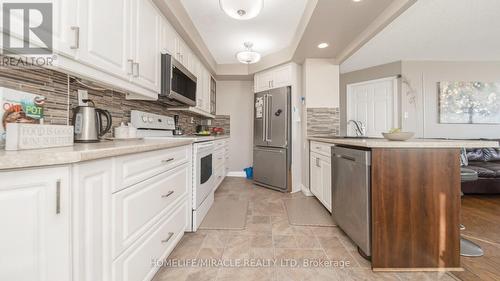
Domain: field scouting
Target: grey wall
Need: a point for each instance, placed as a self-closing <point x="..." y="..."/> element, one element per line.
<point x="422" y="79"/>
<point x="372" y="73"/>
<point x="235" y="98"/>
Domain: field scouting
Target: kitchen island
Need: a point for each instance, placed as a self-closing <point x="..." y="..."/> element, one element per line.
<point x="414" y="198"/>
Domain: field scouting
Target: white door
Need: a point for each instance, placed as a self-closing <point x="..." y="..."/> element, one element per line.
<point x="263" y="81"/>
<point x="282" y="77"/>
<point x="104" y="36"/>
<point x="35" y="225"/>
<point x="316" y="187"/>
<point x="375" y="104"/>
<point x="146" y="44"/>
<point x="326" y="183"/>
<point x="92" y="240"/>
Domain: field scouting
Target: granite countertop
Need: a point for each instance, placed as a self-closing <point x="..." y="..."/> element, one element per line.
<point x="412" y="143"/>
<point x="82" y="152"/>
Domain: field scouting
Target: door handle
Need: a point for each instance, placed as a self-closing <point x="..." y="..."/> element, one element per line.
<point x="136" y="65"/>
<point x="264" y="119"/>
<point x="58" y="197"/>
<point x="168" y="194"/>
<point x="317" y="162"/>
<point x="131" y="63"/>
<point x="269" y="103"/>
<point x="346" y="157"/>
<point x="170" y="234"/>
<point x="76" y="29"/>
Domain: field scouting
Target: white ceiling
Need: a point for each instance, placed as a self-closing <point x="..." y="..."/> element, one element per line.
<point x="271" y="31"/>
<point x="452" y="30"/>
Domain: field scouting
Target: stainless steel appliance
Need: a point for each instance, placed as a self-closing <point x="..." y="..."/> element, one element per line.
<point x="87" y="121"/>
<point x="177" y="83"/>
<point x="272" y="139"/>
<point x="159" y="127"/>
<point x="351" y="194"/>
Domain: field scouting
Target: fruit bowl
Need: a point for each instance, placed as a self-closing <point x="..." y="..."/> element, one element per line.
<point x="398" y="136"/>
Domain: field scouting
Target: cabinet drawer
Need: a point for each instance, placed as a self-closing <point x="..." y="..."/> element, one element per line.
<point x="219" y="159"/>
<point x="135" y="168"/>
<point x="138" y="207"/>
<point x="321" y="148"/>
<point x="136" y="262"/>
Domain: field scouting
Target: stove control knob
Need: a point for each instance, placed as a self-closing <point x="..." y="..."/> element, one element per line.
<point x="144" y="118"/>
<point x="150" y="119"/>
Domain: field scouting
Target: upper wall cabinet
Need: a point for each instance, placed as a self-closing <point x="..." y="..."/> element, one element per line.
<point x="103" y="40"/>
<point x="146" y="44"/>
<point x="274" y="78"/>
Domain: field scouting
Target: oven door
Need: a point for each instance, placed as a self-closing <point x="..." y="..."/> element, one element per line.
<point x="204" y="173"/>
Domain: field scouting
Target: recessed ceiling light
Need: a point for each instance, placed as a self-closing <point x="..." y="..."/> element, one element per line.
<point x="323" y="45"/>
<point x="357" y="0"/>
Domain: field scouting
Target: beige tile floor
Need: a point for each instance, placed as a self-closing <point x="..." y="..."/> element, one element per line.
<point x="269" y="236"/>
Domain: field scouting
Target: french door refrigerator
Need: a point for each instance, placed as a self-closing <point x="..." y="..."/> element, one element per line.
<point x="272" y="139"/>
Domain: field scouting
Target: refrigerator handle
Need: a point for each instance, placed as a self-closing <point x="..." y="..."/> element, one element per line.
<point x="264" y="120"/>
<point x="269" y="103"/>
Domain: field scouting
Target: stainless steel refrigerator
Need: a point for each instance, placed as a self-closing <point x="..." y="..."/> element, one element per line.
<point x="272" y="139"/>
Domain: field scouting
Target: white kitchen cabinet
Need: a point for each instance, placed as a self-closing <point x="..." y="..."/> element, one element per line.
<point x="35" y="225"/>
<point x="145" y="43"/>
<point x="168" y="36"/>
<point x="103" y="40"/>
<point x="321" y="178"/>
<point x="64" y="28"/>
<point x="91" y="204"/>
<point x="274" y="78"/>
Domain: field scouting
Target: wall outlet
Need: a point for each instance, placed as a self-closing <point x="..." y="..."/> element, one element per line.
<point x="82" y="95"/>
<point x="192" y="120"/>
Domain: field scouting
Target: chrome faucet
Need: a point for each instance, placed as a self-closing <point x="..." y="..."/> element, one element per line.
<point x="359" y="127"/>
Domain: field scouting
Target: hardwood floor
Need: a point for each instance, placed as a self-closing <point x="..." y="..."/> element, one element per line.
<point x="481" y="217"/>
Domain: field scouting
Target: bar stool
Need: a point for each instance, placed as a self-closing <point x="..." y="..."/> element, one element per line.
<point x="467" y="247"/>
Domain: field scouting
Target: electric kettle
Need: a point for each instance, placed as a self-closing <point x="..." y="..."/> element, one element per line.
<point x="87" y="121"/>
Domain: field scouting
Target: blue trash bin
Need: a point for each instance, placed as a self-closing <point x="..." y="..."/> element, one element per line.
<point x="249" y="172"/>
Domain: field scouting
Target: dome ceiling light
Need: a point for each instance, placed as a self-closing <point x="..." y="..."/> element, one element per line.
<point x="248" y="56"/>
<point x="242" y="9"/>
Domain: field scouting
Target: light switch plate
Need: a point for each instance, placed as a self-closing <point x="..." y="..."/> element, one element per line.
<point x="82" y="95"/>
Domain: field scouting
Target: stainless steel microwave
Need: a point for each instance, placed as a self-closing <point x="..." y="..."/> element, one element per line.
<point x="177" y="83"/>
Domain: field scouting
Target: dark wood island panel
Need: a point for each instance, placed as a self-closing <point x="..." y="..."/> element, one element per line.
<point x="415" y="208"/>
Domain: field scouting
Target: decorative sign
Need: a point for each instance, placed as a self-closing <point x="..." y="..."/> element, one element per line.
<point x="469" y="103"/>
<point x="33" y="136"/>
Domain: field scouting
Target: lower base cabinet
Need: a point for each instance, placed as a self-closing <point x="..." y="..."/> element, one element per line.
<point x="71" y="223"/>
<point x="35" y="225"/>
<point x="321" y="177"/>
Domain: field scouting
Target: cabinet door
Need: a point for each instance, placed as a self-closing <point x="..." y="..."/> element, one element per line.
<point x="316" y="187"/>
<point x="282" y="76"/>
<point x="91" y="204"/>
<point x="199" y="86"/>
<point x="64" y="34"/>
<point x="168" y="36"/>
<point x="146" y="44"/>
<point x="35" y="225"/>
<point x="326" y="183"/>
<point x="206" y="94"/>
<point x="104" y="35"/>
<point x="263" y="81"/>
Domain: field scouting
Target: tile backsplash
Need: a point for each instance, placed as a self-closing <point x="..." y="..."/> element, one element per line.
<point x="323" y="121"/>
<point x="60" y="90"/>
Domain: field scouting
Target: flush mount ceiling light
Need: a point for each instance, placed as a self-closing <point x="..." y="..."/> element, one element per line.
<point x="248" y="56"/>
<point x="242" y="9"/>
<point x="323" y="45"/>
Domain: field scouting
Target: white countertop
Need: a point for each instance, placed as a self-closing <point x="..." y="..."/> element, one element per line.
<point x="195" y="138"/>
<point x="82" y="152"/>
<point x="412" y="143"/>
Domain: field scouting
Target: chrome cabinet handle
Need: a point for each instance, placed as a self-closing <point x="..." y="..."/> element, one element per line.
<point x="168" y="194"/>
<point x="76" y="29"/>
<point x="170" y="234"/>
<point x="167" y="160"/>
<point x="58" y="197"/>
<point x="135" y="65"/>
<point x="131" y="62"/>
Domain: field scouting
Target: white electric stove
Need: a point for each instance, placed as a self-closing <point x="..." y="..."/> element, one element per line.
<point x="154" y="126"/>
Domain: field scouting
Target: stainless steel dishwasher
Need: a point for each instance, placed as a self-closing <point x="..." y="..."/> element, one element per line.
<point x="351" y="199"/>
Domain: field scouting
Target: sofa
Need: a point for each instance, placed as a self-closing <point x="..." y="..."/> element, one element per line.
<point x="486" y="162"/>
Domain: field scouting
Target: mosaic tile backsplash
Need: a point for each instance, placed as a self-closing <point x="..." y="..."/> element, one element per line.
<point x="60" y="91"/>
<point x="323" y="121"/>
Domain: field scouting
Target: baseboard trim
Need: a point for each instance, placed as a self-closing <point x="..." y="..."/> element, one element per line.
<point x="306" y="190"/>
<point x="237" y="174"/>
